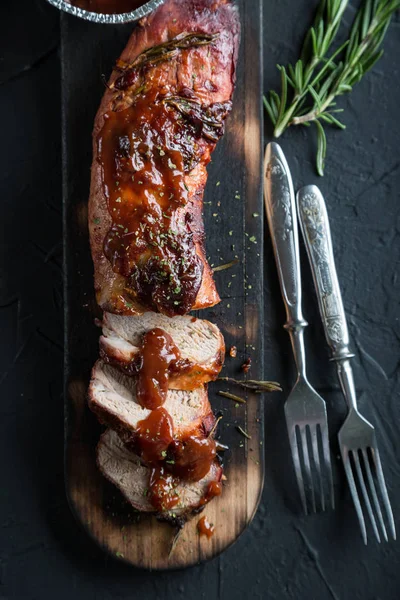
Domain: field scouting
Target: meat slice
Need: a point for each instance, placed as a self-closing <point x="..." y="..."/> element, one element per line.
<point x="125" y="470"/>
<point x="158" y="123"/>
<point x="112" y="397"/>
<point x="200" y="343"/>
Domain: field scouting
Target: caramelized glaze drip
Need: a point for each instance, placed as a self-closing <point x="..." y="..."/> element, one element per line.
<point x="158" y="354"/>
<point x="192" y="457"/>
<point x="154" y="435"/>
<point x="162" y="489"/>
<point x="214" y="489"/>
<point x="108" y="7"/>
<point x="204" y="527"/>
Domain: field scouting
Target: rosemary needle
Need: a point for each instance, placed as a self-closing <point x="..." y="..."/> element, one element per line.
<point x="233" y="397"/>
<point x="243" y="432"/>
<point x="226" y="266"/>
<point x="311" y="86"/>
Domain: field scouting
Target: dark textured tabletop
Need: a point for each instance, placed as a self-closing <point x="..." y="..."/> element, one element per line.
<point x="43" y="552"/>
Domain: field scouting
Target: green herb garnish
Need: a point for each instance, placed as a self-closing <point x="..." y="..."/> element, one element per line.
<point x="255" y="386"/>
<point x="311" y="86"/>
<point x="211" y="118"/>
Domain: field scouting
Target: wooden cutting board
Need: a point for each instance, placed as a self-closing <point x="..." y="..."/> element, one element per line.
<point x="234" y="227"/>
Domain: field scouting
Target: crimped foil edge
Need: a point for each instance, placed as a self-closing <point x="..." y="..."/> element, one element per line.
<point x="133" y="15"/>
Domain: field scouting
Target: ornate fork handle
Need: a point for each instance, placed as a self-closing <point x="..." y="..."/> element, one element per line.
<point x="317" y="236"/>
<point x="280" y="206"/>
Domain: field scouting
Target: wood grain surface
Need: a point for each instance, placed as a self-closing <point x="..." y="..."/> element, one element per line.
<point x="234" y="227"/>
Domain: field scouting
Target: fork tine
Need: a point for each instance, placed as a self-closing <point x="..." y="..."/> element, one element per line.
<point x="306" y="457"/>
<point x="314" y="441"/>
<point x="327" y="458"/>
<point x="373" y="492"/>
<point x="297" y="465"/>
<point x="354" y="493"/>
<point x="365" y="493"/>
<point x="383" y="490"/>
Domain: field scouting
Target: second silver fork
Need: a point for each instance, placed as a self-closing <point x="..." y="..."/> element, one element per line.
<point x="357" y="438"/>
<point x="305" y="410"/>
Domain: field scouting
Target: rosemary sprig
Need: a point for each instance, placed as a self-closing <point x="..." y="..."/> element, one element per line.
<point x="168" y="50"/>
<point x="259" y="387"/>
<point x="310" y="88"/>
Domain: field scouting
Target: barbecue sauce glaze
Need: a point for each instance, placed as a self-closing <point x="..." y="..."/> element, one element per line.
<point x="144" y="173"/>
<point x="152" y="138"/>
<point x="108" y="7"/>
<point x="171" y="459"/>
<point x="158" y="354"/>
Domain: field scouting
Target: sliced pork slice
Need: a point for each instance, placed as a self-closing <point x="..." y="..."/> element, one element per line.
<point x="200" y="343"/>
<point x="125" y="470"/>
<point x="112" y="397"/>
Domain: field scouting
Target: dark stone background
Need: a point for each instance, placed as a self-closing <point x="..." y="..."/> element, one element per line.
<point x="43" y="552"/>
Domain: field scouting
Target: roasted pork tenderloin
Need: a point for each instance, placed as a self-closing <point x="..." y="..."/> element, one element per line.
<point x="159" y="121"/>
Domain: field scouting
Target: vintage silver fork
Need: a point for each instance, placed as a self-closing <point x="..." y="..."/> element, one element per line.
<point x="305" y="410"/>
<point x="357" y="438"/>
